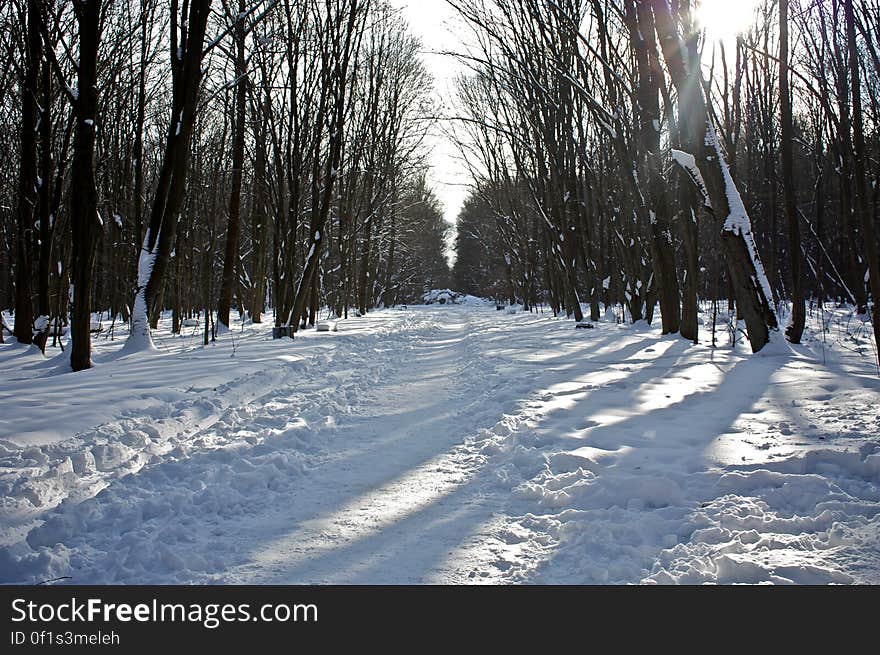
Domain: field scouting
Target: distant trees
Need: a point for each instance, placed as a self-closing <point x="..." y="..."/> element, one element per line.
<point x="484" y="265"/>
<point x="419" y="234"/>
<point x="206" y="157"/>
<point x="600" y="132"/>
<point x="268" y="155"/>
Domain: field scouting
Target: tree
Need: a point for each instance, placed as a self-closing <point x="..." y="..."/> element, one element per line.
<point x="750" y="284"/>
<point x="85" y="221"/>
<point x="230" y="259"/>
<point x="187" y="43"/>
<point x="27" y="176"/>
<point x="864" y="209"/>
<point x="798" y="312"/>
<point x="339" y="36"/>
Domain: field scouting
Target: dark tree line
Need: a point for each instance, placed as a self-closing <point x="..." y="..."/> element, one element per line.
<point x="620" y="156"/>
<point x="204" y="157"/>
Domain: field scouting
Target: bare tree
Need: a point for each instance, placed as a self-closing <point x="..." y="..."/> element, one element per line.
<point x="27" y="177"/>
<point x="795" y="328"/>
<point x="864" y="208"/>
<point x="186" y="50"/>
<point x="230" y="259"/>
<point x="750" y="284"/>
<point x="85" y="222"/>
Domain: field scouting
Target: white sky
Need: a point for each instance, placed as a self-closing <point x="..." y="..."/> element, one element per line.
<point x="433" y="22"/>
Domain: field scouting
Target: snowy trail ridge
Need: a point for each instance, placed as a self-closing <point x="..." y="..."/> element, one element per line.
<point x="442" y="445"/>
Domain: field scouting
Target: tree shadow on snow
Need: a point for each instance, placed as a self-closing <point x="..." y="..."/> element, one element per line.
<point x="668" y="444"/>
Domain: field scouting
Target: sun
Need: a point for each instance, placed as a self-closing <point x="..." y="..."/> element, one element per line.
<point x="724" y="20"/>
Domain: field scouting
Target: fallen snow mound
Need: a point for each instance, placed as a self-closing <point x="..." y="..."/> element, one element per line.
<point x="449" y="297"/>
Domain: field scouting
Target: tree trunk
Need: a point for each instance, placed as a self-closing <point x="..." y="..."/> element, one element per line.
<point x="648" y="100"/>
<point x="795" y="328"/>
<point x="259" y="220"/>
<point x="85" y="222"/>
<point x="27" y="179"/>
<point x="45" y="212"/>
<point x="861" y="187"/>
<point x="233" y="229"/>
<point x="140" y="120"/>
<point x="751" y="288"/>
<point x="848" y="243"/>
<point x="687" y="226"/>
<point x="186" y="70"/>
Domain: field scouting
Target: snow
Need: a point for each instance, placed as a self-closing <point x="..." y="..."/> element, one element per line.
<point x="737" y="220"/>
<point x="140" y="339"/>
<point x="689" y="164"/>
<point x="442" y="444"/>
<point x="443" y="296"/>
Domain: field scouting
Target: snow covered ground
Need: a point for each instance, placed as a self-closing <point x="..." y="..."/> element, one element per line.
<point x="443" y="444"/>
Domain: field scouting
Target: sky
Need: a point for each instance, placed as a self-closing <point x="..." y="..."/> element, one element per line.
<point x="433" y="22"/>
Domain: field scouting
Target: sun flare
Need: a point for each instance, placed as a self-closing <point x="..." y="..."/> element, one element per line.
<point x="724" y="20"/>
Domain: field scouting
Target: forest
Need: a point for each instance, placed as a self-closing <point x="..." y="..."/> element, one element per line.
<point x="619" y="157"/>
<point x="204" y="157"/>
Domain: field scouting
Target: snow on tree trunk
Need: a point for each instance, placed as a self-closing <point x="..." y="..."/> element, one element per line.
<point x="171" y="185"/>
<point x="140" y="339"/>
<point x="689" y="164"/>
<point x="750" y="285"/>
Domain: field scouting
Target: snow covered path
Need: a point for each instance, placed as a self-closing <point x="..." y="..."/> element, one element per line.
<point x="392" y="500"/>
<point x="443" y="444"/>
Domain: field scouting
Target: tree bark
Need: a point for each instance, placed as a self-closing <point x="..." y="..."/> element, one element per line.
<point x="648" y="101"/>
<point x="795" y="328"/>
<point x="233" y="229"/>
<point x="186" y="59"/>
<point x="259" y="220"/>
<point x="861" y="187"/>
<point x="27" y="179"/>
<point x="45" y="211"/>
